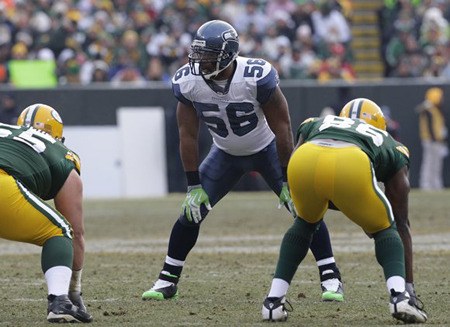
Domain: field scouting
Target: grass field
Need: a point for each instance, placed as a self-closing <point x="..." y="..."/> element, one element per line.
<point x="228" y="273"/>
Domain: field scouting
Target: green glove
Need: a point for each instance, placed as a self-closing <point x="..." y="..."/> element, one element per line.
<point x="196" y="196"/>
<point x="286" y="201"/>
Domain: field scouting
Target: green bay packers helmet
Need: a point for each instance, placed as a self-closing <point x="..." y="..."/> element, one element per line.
<point x="366" y="110"/>
<point x="42" y="117"/>
<point x="434" y="95"/>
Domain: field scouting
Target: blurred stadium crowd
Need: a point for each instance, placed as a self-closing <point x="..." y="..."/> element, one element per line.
<point x="147" y="40"/>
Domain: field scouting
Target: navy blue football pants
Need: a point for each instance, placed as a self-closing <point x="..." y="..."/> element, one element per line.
<point x="219" y="173"/>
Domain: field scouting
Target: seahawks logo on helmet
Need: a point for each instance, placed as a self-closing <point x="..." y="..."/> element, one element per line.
<point x="229" y="35"/>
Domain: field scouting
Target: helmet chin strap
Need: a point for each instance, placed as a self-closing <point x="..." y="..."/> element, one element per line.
<point x="215" y="73"/>
<point x="218" y="71"/>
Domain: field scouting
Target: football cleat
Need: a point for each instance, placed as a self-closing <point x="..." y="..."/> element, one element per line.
<point x="332" y="290"/>
<point x="275" y="309"/>
<point x="402" y="308"/>
<point x="61" y="309"/>
<point x="162" y="290"/>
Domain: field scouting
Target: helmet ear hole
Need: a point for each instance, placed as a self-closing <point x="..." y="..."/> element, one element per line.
<point x="366" y="110"/>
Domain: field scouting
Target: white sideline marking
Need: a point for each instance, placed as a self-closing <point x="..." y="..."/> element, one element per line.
<point x="342" y="242"/>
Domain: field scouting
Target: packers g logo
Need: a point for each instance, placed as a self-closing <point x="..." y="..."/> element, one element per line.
<point x="56" y="116"/>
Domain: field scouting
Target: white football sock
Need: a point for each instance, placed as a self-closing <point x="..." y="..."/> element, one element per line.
<point x="397" y="283"/>
<point x="58" y="279"/>
<point x="279" y="288"/>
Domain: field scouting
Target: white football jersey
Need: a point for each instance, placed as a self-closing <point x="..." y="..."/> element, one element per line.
<point x="234" y="119"/>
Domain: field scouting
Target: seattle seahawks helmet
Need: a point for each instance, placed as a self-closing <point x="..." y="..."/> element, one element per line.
<point x="43" y="117"/>
<point x="214" y="48"/>
<point x="366" y="110"/>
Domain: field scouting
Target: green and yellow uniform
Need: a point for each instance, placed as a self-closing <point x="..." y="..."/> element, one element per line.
<point x="33" y="168"/>
<point x="341" y="161"/>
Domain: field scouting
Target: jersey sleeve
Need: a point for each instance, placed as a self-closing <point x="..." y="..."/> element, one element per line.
<point x="179" y="95"/>
<point x="75" y="159"/>
<point x="178" y="79"/>
<point x="304" y="129"/>
<point x="267" y="85"/>
<point x="396" y="157"/>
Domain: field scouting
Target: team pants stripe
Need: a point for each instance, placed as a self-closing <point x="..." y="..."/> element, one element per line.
<point x="46" y="210"/>
<point x="381" y="195"/>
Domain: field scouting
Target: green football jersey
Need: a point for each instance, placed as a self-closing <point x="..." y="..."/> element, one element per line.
<point x="386" y="154"/>
<point x="36" y="159"/>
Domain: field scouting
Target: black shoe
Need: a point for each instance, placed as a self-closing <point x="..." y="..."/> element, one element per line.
<point x="61" y="309"/>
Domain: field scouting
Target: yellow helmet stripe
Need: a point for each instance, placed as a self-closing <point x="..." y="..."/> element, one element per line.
<point x="355" y="109"/>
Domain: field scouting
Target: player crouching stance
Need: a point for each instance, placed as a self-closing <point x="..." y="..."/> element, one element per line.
<point x="339" y="160"/>
<point x="35" y="166"/>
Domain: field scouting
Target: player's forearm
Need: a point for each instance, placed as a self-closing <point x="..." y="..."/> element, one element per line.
<point x="400" y="210"/>
<point x="78" y="251"/>
<point x="189" y="154"/>
<point x="285" y="145"/>
<point x="405" y="235"/>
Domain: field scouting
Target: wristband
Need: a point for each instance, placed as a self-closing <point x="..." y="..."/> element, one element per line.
<point x="193" y="178"/>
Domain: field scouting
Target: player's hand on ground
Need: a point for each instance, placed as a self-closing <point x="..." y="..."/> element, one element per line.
<point x="191" y="207"/>
<point x="77" y="300"/>
<point x="286" y="201"/>
<point x="412" y="292"/>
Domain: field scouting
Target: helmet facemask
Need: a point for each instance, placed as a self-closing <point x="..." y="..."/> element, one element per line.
<point x="214" y="48"/>
<point x="208" y="62"/>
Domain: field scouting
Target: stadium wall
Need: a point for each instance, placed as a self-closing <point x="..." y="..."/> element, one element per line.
<point x="92" y="106"/>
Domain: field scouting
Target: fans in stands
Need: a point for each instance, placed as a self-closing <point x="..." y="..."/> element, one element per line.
<point x="156" y="34"/>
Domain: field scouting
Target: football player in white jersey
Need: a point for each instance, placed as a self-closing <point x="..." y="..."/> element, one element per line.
<point x="247" y="115"/>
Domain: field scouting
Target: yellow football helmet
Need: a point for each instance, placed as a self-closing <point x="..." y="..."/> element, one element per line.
<point x="43" y="117"/>
<point x="434" y="95"/>
<point x="366" y="110"/>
